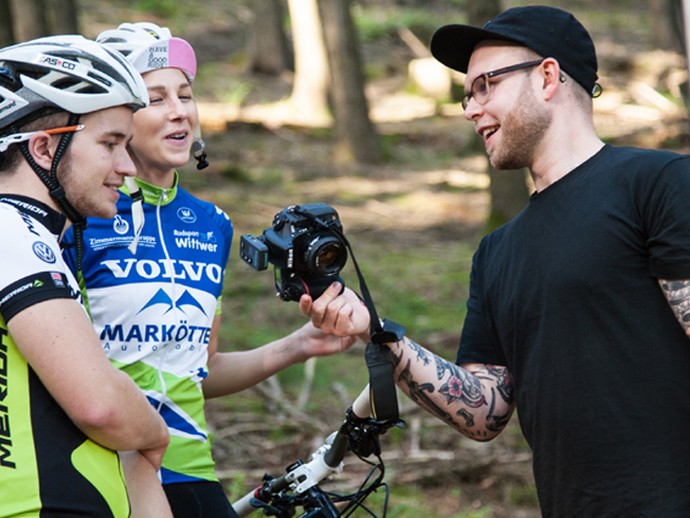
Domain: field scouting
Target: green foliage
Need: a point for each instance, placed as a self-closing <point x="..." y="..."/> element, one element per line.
<point x="236" y="488"/>
<point x="496" y="219"/>
<point x="523" y="495"/>
<point x="381" y="22"/>
<point x="405" y="504"/>
<point x="164" y="8"/>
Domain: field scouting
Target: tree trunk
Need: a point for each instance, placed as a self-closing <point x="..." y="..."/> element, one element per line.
<point x="508" y="189"/>
<point x="667" y="24"/>
<point x="6" y="29"/>
<point x="684" y="7"/>
<point x="356" y="138"/>
<point x="29" y="19"/>
<point x="63" y="16"/>
<point x="309" y="96"/>
<point x="268" y="48"/>
<point x="481" y="11"/>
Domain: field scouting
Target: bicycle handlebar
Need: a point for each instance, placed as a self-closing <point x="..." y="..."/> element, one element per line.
<point x="361" y="407"/>
<point x="325" y="461"/>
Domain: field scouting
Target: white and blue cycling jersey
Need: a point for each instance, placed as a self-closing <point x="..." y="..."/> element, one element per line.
<point x="154" y="309"/>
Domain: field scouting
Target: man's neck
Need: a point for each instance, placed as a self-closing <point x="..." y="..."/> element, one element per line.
<point x="24" y="182"/>
<point x="561" y="153"/>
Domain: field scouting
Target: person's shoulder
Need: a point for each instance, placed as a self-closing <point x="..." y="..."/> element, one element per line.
<point x="645" y="155"/>
<point x="13" y="220"/>
<point x="209" y="208"/>
<point x="646" y="171"/>
<point x="7" y="210"/>
<point x="12" y="223"/>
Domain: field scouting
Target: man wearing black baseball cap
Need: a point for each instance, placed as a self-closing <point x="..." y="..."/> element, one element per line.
<point x="579" y="307"/>
<point x="548" y="31"/>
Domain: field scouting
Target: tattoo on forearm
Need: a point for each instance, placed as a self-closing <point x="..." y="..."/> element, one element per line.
<point x="678" y="295"/>
<point x="418" y="394"/>
<point x="504" y="383"/>
<point x="469" y="418"/>
<point x="422" y="354"/>
<point x="461" y="385"/>
<point x="460" y="389"/>
<point x="495" y="421"/>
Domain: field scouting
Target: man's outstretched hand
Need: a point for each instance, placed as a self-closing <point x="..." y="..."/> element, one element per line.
<point x="337" y="312"/>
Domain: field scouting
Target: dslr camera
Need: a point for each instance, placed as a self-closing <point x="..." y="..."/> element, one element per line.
<point x="305" y="244"/>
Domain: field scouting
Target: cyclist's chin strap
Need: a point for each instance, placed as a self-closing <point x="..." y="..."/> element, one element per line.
<point x="382" y="394"/>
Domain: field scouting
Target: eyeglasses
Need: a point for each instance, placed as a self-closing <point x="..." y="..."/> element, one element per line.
<point x="482" y="89"/>
<point x="15" y="138"/>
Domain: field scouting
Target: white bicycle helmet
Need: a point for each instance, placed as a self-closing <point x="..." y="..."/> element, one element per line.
<point x="67" y="72"/>
<point x="150" y="47"/>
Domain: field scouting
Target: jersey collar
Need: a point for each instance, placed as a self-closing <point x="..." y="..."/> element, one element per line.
<point x="47" y="216"/>
<point x="153" y="194"/>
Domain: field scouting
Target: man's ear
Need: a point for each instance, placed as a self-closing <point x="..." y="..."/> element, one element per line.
<point x="551" y="74"/>
<point x="42" y="148"/>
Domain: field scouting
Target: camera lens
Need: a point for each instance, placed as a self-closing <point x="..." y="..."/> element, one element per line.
<point x="325" y="255"/>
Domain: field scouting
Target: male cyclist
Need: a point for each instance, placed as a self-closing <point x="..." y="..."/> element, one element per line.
<point x="66" y="108"/>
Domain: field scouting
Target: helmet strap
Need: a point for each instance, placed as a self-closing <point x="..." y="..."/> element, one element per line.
<point x="49" y="178"/>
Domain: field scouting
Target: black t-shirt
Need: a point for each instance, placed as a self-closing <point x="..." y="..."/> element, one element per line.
<point x="566" y="295"/>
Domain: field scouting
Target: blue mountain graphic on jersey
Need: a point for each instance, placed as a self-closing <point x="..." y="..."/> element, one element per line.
<point x="186" y="299"/>
<point x="161" y="297"/>
<point x="176" y="421"/>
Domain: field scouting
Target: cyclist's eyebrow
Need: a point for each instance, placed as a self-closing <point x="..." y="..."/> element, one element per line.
<point x="163" y="87"/>
<point x="117" y="135"/>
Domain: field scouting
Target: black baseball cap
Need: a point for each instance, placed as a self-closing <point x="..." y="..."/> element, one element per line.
<point x="548" y="31"/>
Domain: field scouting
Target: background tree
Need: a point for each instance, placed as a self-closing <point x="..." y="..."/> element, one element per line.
<point x="508" y="188"/>
<point x="22" y="20"/>
<point x="63" y="16"/>
<point x="356" y="138"/>
<point x="268" y="48"/>
<point x="6" y="29"/>
<point x="309" y="98"/>
<point x="29" y="19"/>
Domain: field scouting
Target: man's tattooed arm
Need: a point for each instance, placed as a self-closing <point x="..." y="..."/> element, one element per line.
<point x="678" y="295"/>
<point x="476" y="400"/>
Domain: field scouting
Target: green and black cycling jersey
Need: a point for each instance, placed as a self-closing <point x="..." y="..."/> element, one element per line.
<point x="48" y="467"/>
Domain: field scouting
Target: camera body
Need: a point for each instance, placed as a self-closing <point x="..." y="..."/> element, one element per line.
<point x="305" y="244"/>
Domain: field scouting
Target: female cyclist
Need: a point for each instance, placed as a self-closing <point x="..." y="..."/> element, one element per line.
<point x="157" y="311"/>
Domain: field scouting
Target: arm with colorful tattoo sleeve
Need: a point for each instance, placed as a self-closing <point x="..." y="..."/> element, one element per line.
<point x="678" y="295"/>
<point x="475" y="399"/>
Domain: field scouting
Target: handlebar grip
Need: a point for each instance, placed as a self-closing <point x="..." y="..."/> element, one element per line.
<point x="362" y="405"/>
<point x="243" y="507"/>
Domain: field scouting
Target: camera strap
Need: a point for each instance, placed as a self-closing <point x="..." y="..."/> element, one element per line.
<point x="382" y="393"/>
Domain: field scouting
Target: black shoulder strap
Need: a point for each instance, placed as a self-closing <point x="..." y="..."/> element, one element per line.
<point x="383" y="397"/>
